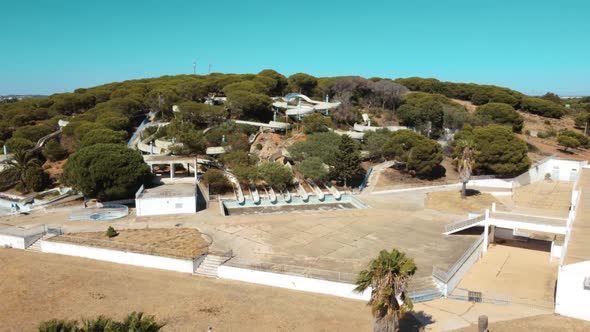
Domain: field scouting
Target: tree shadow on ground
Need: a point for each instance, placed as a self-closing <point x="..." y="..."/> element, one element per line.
<point x="566" y="151"/>
<point x="415" y="322"/>
<point x="472" y="192"/>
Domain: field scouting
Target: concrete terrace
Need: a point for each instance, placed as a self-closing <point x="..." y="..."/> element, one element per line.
<point x="324" y="243"/>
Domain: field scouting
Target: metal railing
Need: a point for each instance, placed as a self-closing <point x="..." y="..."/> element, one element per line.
<point x="27" y="232"/>
<point x="423" y="296"/>
<point x="463" y="223"/>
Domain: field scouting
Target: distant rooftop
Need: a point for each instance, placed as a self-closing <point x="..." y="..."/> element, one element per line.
<point x="170" y="190"/>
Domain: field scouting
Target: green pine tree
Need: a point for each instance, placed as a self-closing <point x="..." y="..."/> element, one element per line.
<point x="348" y="160"/>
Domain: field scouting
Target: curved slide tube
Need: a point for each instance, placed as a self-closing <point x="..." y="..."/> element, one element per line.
<point x="287" y="196"/>
<point x="302" y="192"/>
<point x="317" y="190"/>
<point x="255" y="195"/>
<point x="272" y="195"/>
<point x="333" y="191"/>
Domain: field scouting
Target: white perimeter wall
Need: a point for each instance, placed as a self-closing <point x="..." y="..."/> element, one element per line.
<point x="492" y="183"/>
<point x="18" y="242"/>
<point x="556" y="250"/>
<point x="559" y="169"/>
<point x="571" y="299"/>
<point x="12" y="241"/>
<point x="293" y="282"/>
<point x="165" y="205"/>
<point x="118" y="256"/>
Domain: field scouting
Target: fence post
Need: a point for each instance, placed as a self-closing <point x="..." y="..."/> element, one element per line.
<point x="486" y="230"/>
<point x="482" y="323"/>
<point x="494" y="207"/>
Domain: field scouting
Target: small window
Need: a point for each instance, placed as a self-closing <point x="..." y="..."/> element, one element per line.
<point x="587" y="283"/>
<point x="178" y="205"/>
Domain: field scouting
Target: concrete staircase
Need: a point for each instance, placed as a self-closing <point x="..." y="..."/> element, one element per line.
<point x="36" y="246"/>
<point x="424" y="289"/>
<point x="209" y="266"/>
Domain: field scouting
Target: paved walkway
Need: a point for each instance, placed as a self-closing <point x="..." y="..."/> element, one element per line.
<point x="448" y="314"/>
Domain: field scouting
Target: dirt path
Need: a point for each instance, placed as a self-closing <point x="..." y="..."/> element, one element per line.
<point x="38" y="287"/>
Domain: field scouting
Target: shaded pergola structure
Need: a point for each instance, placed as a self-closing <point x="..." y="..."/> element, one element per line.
<point x="188" y="162"/>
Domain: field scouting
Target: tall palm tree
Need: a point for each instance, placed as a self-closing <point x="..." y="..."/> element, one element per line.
<point x="22" y="162"/>
<point x="465" y="164"/>
<point x="388" y="276"/>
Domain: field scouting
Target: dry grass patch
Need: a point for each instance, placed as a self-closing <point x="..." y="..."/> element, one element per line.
<point x="173" y="242"/>
<point x="451" y="201"/>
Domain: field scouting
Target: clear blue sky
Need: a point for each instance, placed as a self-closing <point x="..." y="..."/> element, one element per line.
<point x="531" y="46"/>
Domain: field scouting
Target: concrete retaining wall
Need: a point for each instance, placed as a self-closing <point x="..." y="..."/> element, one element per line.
<point x="12" y="241"/>
<point x="292" y="282"/>
<point x="492" y="183"/>
<point x="458" y="276"/>
<point x="18" y="242"/>
<point x="119" y="256"/>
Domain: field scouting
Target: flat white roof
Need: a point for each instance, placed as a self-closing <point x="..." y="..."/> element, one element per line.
<point x="170" y="190"/>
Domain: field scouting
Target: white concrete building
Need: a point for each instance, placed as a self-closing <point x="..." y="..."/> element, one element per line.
<point x="166" y="199"/>
<point x="569" y="233"/>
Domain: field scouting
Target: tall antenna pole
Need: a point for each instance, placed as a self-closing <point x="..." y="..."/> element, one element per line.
<point x="194" y="68"/>
<point x="210" y="68"/>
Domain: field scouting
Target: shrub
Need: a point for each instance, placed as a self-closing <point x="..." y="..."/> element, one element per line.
<point x="582" y="139"/>
<point x="36" y="179"/>
<point x="34" y="132"/>
<point x="111" y="232"/>
<point x="313" y="168"/>
<point x="106" y="171"/>
<point x="568" y="142"/>
<point x="216" y="180"/>
<point x="106" y="136"/>
<point x="17" y="143"/>
<point x="316" y="123"/>
<point x="497" y="150"/>
<point x="500" y="113"/>
<point x="54" y="151"/>
<point x="275" y="175"/>
<point x="542" y="107"/>
<point x="421" y="155"/>
<point x="60" y="325"/>
<point x="135" y="321"/>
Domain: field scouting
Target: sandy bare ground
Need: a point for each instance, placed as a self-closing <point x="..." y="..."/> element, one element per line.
<point x="38" y="287"/>
<point x="541" y="323"/>
<point x="451" y="201"/>
<point x="175" y="242"/>
<point x="525" y="275"/>
<point x="390" y="178"/>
